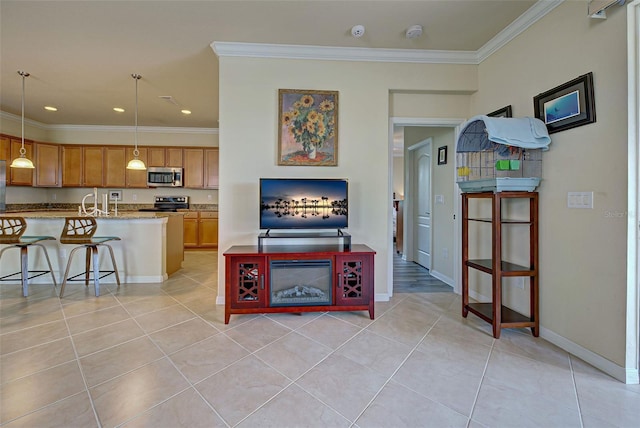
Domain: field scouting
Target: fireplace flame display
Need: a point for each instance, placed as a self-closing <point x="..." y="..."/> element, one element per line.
<point x="300" y="282"/>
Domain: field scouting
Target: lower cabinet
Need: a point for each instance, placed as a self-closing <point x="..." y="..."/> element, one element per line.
<point x="201" y="230"/>
<point x="298" y="279"/>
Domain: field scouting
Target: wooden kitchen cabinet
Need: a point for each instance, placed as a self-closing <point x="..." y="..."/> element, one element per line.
<point x="115" y="165"/>
<point x="211" y="169"/>
<point x="208" y="229"/>
<point x="191" y="230"/>
<point x="201" y="230"/>
<point x="5" y="149"/>
<point x="136" y="178"/>
<point x="20" y="176"/>
<point x="201" y="168"/>
<point x="47" y="163"/>
<point x="92" y="166"/>
<point x="165" y="156"/>
<point x="194" y="168"/>
<point x="72" y="166"/>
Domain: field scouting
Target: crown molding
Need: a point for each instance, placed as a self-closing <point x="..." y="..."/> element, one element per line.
<point x="329" y="53"/>
<point x="110" y="128"/>
<point x="422" y="56"/>
<point x="524" y="21"/>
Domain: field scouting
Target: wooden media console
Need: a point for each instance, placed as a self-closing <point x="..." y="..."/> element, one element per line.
<point x="298" y="278"/>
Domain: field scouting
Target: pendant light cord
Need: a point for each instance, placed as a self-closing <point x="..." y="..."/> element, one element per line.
<point x="136" y="152"/>
<point x="23" y="151"/>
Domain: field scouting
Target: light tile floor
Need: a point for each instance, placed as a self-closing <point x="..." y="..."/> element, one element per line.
<point x="160" y="355"/>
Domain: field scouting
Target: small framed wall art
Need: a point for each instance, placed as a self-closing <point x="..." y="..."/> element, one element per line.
<point x="307" y="127"/>
<point x="568" y="105"/>
<point x="502" y="112"/>
<point x="442" y="155"/>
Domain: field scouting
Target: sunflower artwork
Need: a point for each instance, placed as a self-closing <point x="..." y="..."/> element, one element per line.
<point x="308" y="127"/>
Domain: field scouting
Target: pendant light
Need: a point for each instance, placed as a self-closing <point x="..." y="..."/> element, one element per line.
<point x="22" y="161"/>
<point x="136" y="163"/>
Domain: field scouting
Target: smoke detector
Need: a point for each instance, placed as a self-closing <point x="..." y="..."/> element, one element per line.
<point x="357" y="31"/>
<point x="414" y="31"/>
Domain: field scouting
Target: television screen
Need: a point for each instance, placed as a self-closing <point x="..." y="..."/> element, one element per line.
<point x="303" y="203"/>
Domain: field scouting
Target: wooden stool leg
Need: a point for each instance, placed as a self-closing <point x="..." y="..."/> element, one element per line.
<point x="87" y="265"/>
<point x="113" y="262"/>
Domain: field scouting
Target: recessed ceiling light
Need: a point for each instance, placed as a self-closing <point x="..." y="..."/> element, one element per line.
<point x="50" y="108"/>
<point x="185" y="111"/>
<point x="118" y="109"/>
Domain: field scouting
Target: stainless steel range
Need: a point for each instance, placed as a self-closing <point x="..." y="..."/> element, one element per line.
<point x="168" y="204"/>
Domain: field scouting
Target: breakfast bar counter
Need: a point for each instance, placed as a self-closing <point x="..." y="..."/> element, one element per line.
<point x="150" y="249"/>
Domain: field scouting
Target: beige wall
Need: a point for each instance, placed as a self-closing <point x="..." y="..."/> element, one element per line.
<point x="582" y="251"/>
<point x="248" y="134"/>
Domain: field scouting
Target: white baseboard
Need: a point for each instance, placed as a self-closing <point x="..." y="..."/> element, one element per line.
<point x="381" y="297"/>
<point x="441" y="277"/>
<point x="626" y="375"/>
<point x="220" y="300"/>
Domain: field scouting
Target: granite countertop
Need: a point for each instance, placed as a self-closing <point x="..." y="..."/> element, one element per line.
<point x="126" y="215"/>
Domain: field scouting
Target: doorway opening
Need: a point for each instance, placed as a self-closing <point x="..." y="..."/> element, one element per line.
<point x="408" y="237"/>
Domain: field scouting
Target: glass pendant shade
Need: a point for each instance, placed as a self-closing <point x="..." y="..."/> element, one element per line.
<point x="22" y="161"/>
<point x="136" y="163"/>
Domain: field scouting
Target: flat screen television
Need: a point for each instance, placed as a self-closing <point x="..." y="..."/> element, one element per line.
<point x="303" y="203"/>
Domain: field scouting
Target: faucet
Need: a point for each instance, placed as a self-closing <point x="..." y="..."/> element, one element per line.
<point x="95" y="211"/>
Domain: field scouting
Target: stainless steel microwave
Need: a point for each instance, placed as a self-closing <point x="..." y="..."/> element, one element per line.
<point x="164" y="177"/>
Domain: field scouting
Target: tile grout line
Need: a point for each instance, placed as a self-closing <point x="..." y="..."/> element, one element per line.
<point x="167" y="356"/>
<point x="484" y="371"/>
<point x="575" y="391"/>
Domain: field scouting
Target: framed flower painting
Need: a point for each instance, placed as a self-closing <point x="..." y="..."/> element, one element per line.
<point x="307" y="127"/>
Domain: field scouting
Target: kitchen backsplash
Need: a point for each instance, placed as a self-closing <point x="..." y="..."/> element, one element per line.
<point x="74" y="207"/>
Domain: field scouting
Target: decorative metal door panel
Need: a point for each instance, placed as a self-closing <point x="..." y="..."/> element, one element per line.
<point x="353" y="280"/>
<point x="247" y="282"/>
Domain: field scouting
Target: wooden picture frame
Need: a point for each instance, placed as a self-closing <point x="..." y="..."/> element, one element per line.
<point x="502" y="112"/>
<point x="567" y="106"/>
<point x="307" y="127"/>
<point x="442" y="155"/>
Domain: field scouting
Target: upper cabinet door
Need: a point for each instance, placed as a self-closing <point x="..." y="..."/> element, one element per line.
<point x="5" y="149"/>
<point x="174" y="157"/>
<point x="93" y="170"/>
<point x="156" y="156"/>
<point x="115" y="166"/>
<point x="165" y="156"/>
<point x="194" y="168"/>
<point x="71" y="166"/>
<point x="20" y="176"/>
<point x="137" y="178"/>
<point x="211" y="160"/>
<point x="47" y="160"/>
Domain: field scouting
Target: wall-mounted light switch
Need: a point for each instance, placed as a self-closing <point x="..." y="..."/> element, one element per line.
<point x="580" y="200"/>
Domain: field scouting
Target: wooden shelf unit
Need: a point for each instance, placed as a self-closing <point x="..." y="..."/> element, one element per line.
<point x="247" y="278"/>
<point x="494" y="312"/>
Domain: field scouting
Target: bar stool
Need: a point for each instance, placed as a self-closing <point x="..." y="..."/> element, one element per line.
<point x="11" y="233"/>
<point x="79" y="231"/>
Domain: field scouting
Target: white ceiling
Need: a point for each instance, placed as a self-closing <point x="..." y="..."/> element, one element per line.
<point x="81" y="54"/>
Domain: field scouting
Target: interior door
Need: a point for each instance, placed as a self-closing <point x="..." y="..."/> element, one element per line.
<point x="423" y="206"/>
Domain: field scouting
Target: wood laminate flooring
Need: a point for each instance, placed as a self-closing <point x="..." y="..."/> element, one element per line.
<point x="410" y="277"/>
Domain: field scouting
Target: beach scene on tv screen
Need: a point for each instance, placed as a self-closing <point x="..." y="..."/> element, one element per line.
<point x="303" y="204"/>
